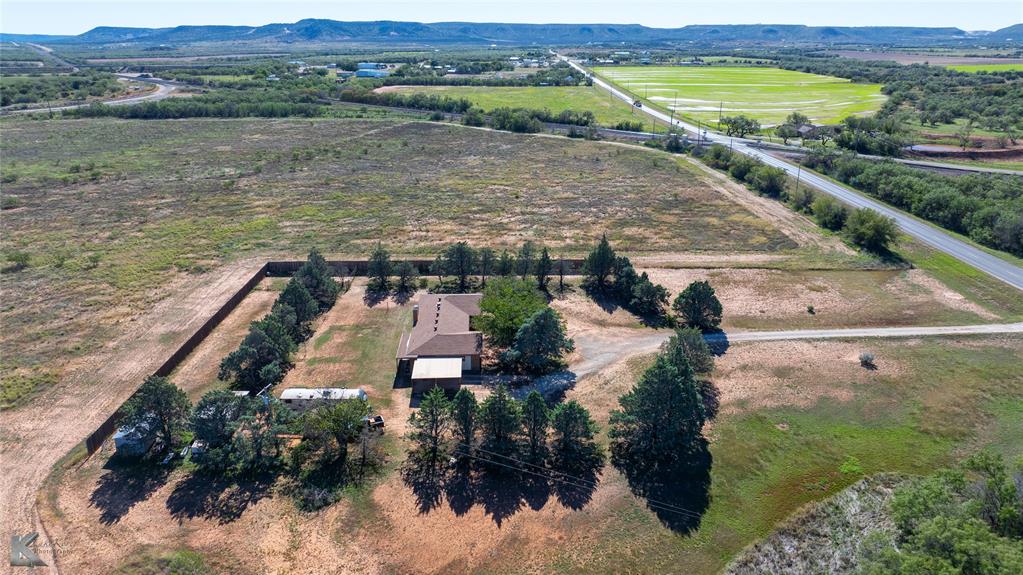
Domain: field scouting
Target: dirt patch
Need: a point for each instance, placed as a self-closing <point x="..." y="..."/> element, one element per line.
<point x="199" y="370"/>
<point x="754" y="376"/>
<point x="913" y="281"/>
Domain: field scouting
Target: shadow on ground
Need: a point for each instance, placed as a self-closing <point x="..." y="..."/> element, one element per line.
<point x="125" y="484"/>
<point x="208" y="496"/>
<point x="501" y="489"/>
<point x="678" y="494"/>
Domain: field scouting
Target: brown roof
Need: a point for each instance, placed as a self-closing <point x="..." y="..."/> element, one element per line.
<point x="443" y="327"/>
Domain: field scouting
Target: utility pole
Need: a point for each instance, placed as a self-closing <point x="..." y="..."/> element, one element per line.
<point x="721" y="105"/>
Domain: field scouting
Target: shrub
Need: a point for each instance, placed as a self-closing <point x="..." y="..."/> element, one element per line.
<point x="829" y="213"/>
<point x="867" y="359"/>
<point x="870" y="230"/>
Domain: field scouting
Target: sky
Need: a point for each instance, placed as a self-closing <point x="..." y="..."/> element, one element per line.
<point x="77" y="16"/>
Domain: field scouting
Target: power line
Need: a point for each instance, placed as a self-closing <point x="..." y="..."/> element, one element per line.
<point x="653" y="503"/>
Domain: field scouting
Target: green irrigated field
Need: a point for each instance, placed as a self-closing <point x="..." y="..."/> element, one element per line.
<point x="1017" y="67"/>
<point x="608" y="111"/>
<point x="767" y="94"/>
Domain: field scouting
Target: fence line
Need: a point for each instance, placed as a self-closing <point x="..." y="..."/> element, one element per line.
<point x="275" y="268"/>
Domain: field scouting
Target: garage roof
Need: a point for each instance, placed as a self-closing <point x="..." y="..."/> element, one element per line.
<point x="437" y="368"/>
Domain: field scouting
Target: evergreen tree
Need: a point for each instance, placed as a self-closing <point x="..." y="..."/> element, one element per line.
<point x="573" y="434"/>
<point x="465" y="418"/>
<point x="540" y="342"/>
<point x="429" y="423"/>
<point x="296" y="296"/>
<point x="378" y="268"/>
<point x="318" y="279"/>
<point x="544" y="267"/>
<point x="698" y="307"/>
<point x="487" y="262"/>
<point x="500" y="421"/>
<point x="214" y="416"/>
<point x="505" y="264"/>
<point x="526" y="259"/>
<point x="688" y="346"/>
<point x="407" y="275"/>
<point x="535" y="420"/>
<point x="648" y="298"/>
<point x="599" y="264"/>
<point x="439" y="268"/>
<point x="460" y="261"/>
<point x="158" y="410"/>
<point x="661" y="418"/>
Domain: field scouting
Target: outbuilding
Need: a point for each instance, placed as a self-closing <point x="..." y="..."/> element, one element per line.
<point x="301" y="399"/>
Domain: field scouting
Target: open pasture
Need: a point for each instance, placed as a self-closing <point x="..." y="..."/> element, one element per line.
<point x="608" y="111"/>
<point x="767" y="94"/>
<point x="1013" y="67"/>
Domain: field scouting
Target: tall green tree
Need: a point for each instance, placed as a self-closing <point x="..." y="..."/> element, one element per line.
<point x="429" y="423"/>
<point x="214" y="417"/>
<point x="661" y="418"/>
<point x="460" y="261"/>
<point x="300" y="300"/>
<point x="689" y="347"/>
<point x="158" y="410"/>
<point x="439" y="268"/>
<point x="257" y="444"/>
<point x="505" y="264"/>
<point x="407" y="276"/>
<point x="648" y="298"/>
<point x="465" y="419"/>
<point x="487" y="262"/>
<point x="574" y="430"/>
<point x="378" y="268"/>
<point x="599" y="264"/>
<point x="526" y="259"/>
<point x="698" y="306"/>
<point x="500" y="421"/>
<point x="505" y="306"/>
<point x="337" y="426"/>
<point x="536" y="421"/>
<point x="259" y="361"/>
<point x="544" y="267"/>
<point x="540" y="342"/>
<point x="318" y="279"/>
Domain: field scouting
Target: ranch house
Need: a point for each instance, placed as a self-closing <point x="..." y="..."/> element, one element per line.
<point x="441" y="348"/>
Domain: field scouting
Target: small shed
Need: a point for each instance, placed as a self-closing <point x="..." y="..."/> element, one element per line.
<point x="304" y="399"/>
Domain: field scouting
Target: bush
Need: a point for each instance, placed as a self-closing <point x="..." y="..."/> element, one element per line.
<point x="829" y="213"/>
<point x="870" y="230"/>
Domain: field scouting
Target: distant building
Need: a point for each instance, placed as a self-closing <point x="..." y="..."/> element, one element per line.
<point x="367" y="73"/>
<point x="371" y="66"/>
<point x="303" y="399"/>
<point x="441" y="347"/>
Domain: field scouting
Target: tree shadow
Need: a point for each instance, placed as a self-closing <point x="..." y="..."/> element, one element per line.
<point x="717" y="342"/>
<point x="576" y="481"/>
<point x="711" y="396"/>
<point x="426" y="480"/>
<point x="224" y="499"/>
<point x="605" y="299"/>
<point x="124" y="485"/>
<point x="375" y="294"/>
<point x="500" y="491"/>
<point x="402" y="296"/>
<point x="677" y="493"/>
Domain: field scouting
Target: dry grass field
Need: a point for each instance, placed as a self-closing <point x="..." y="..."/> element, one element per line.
<point x="791" y="414"/>
<point x="136" y="230"/>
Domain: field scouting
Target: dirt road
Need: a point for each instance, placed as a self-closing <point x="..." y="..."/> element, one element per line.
<point x="33" y="438"/>
<point x="599" y="352"/>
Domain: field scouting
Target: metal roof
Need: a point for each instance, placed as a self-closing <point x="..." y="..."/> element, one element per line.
<point x="335" y="393"/>
<point x="437" y="368"/>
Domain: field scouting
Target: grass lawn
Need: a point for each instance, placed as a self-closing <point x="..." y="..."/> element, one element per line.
<point x="767" y="94"/>
<point x="608" y="111"/>
<point x="987" y="67"/>
<point x="767" y="462"/>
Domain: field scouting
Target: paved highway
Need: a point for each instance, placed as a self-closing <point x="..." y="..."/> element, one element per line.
<point x="926" y="233"/>
<point x="164" y="88"/>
